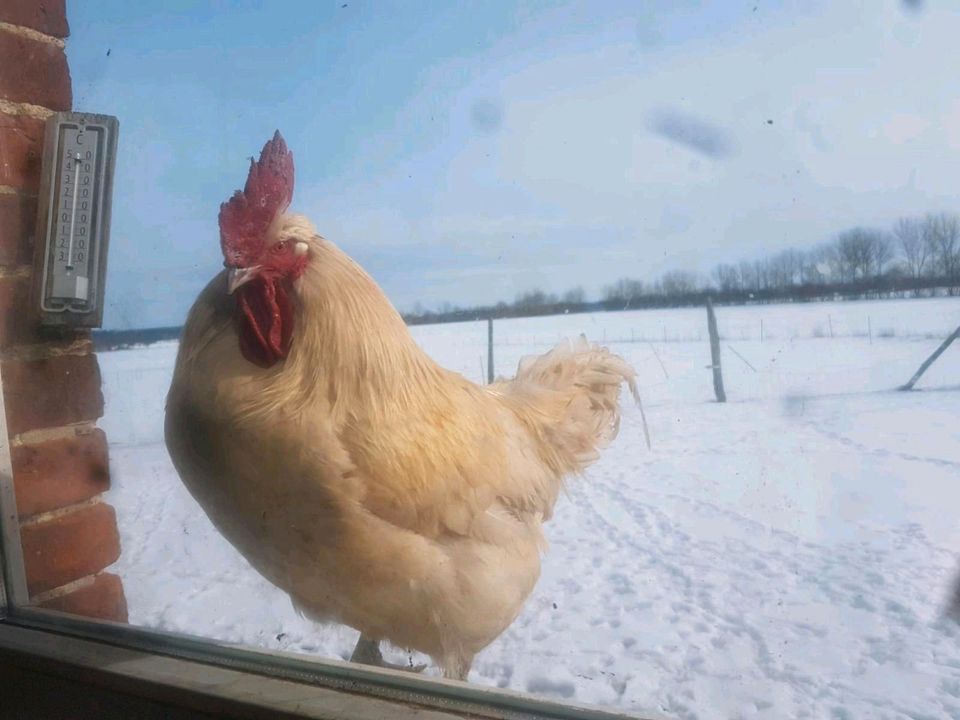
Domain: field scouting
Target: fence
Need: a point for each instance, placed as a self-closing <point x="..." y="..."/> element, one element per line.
<point x="873" y="346"/>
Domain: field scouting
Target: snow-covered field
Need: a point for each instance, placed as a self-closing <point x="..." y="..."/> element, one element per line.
<point x="786" y="554"/>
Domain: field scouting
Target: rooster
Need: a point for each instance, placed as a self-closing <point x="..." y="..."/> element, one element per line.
<point x="376" y="488"/>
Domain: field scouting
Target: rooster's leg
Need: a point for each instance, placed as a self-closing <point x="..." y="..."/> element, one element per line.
<point x="367" y="652"/>
<point x="460" y="670"/>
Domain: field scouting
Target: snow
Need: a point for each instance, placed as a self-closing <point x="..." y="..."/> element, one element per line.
<point x="786" y="554"/>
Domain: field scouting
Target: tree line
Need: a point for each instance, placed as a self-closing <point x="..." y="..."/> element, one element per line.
<point x="925" y="252"/>
<point x="916" y="256"/>
<point x="526" y="304"/>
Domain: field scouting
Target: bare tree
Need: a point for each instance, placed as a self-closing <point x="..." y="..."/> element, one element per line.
<point x="815" y="266"/>
<point x="678" y="282"/>
<point x="624" y="292"/>
<point x="881" y="248"/>
<point x="727" y="277"/>
<point x="761" y="274"/>
<point x="777" y="272"/>
<point x="943" y="234"/>
<point x="847" y="257"/>
<point x="534" y="299"/>
<point x="859" y="250"/>
<point x="914" y="249"/>
<point x="574" y="296"/>
<point x="784" y="269"/>
<point x="793" y="265"/>
<point x="747" y="280"/>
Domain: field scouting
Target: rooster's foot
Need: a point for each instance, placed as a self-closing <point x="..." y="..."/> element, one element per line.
<point x="368" y="652"/>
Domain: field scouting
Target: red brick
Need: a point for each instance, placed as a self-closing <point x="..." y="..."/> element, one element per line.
<point x="17" y="323"/>
<point x="103" y="599"/>
<point x="69" y="547"/>
<point x="34" y="71"/>
<point x="46" y="16"/>
<point x="51" y="392"/>
<point x="56" y="473"/>
<point x="21" y="150"/>
<point x="18" y="219"/>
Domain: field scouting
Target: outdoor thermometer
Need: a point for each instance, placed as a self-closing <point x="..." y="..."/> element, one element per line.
<point x="73" y="218"/>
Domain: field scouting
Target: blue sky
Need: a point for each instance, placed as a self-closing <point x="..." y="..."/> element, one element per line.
<point x="467" y="152"/>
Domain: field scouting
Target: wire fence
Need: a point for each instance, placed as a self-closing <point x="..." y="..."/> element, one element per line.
<point x="804" y="354"/>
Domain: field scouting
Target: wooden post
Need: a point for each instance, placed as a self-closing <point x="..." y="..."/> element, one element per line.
<point x="761" y="329"/>
<point x="830" y="322"/>
<point x="715" y="353"/>
<point x="870" y="329"/>
<point x="929" y="361"/>
<point x="953" y="602"/>
<point x="490" y="351"/>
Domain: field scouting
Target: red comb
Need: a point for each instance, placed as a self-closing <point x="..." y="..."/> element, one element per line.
<point x="245" y="218"/>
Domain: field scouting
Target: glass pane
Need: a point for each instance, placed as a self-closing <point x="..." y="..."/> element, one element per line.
<point x="559" y="168"/>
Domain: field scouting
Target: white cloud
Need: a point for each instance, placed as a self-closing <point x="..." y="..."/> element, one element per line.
<point x="904" y="128"/>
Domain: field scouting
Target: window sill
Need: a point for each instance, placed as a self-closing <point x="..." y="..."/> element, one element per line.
<point x="187" y="685"/>
<point x="240" y="683"/>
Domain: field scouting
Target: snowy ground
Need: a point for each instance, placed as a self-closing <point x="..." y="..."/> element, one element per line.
<point x="784" y="555"/>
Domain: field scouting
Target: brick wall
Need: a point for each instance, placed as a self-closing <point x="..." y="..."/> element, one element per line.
<point x="51" y="382"/>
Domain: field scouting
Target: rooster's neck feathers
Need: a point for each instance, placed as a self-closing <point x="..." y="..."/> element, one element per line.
<point x="347" y="330"/>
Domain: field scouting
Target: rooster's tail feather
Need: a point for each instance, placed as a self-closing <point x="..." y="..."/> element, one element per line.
<point x="572" y="395"/>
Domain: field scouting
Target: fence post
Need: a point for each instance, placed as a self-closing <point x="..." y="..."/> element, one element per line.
<point x="489" y="351"/>
<point x="715" y="353"/>
<point x="830" y="322"/>
<point x="870" y="329"/>
<point x="929" y="361"/>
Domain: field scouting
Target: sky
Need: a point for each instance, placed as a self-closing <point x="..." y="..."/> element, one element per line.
<point x="467" y="152"/>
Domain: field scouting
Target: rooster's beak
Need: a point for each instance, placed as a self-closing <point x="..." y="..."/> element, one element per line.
<point x="240" y="276"/>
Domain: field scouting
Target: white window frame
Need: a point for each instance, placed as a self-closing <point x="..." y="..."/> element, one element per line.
<point x="212" y="676"/>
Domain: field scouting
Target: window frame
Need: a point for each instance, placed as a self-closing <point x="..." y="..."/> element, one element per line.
<point x="58" y="642"/>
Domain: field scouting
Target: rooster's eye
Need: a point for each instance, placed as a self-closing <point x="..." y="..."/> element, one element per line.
<point x="280" y="247"/>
